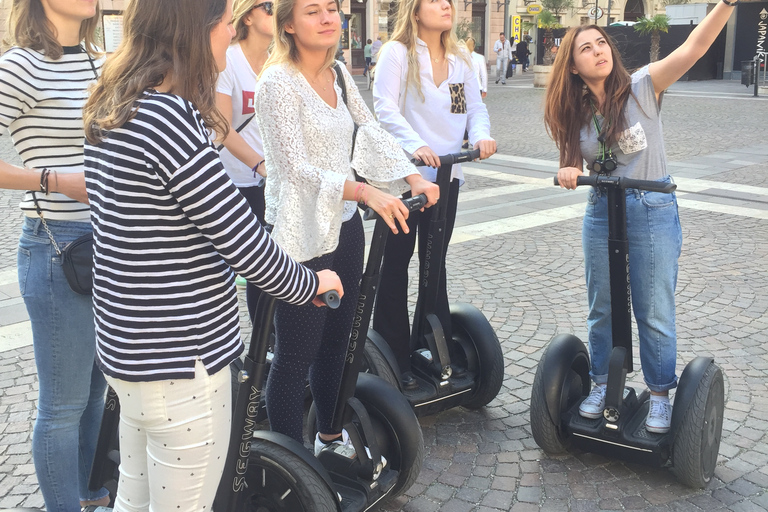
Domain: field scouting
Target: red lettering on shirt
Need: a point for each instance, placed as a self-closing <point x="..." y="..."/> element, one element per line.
<point x="248" y="106"/>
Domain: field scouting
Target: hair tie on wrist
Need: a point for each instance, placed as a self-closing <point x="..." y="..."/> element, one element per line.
<point x="44" y="180"/>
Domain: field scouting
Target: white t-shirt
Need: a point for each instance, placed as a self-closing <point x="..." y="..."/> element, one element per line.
<point x="239" y="82"/>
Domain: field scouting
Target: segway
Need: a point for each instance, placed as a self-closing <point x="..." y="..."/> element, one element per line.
<point x="562" y="379"/>
<point x="466" y="370"/>
<point x="268" y="472"/>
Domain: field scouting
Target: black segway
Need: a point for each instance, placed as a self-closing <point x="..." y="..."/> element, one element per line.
<point x="268" y="472"/>
<point x="562" y="379"/>
<point x="467" y="369"/>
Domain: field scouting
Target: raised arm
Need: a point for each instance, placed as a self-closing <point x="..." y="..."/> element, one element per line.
<point x="668" y="70"/>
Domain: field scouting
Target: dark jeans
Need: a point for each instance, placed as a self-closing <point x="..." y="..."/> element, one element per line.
<point x="391" y="312"/>
<point x="255" y="198"/>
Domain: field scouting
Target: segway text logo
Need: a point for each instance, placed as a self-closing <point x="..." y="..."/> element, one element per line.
<point x="241" y="465"/>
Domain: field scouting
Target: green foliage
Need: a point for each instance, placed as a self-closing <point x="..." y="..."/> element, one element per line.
<point x="557" y="7"/>
<point x="548" y="21"/>
<point x="659" y="23"/>
<point x="463" y="29"/>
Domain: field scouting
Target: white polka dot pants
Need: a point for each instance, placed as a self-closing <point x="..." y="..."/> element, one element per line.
<point x="174" y="436"/>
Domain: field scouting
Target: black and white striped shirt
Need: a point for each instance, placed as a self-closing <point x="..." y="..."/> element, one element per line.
<point x="169" y="229"/>
<point x="41" y="105"/>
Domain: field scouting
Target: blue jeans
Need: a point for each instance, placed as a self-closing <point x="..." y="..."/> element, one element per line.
<point x="71" y="387"/>
<point x="655" y="243"/>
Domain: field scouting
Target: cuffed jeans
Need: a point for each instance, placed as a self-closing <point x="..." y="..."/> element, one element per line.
<point x="655" y="243"/>
<point x="71" y="387"/>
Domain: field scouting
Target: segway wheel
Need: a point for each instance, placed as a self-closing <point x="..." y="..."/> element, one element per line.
<point x="375" y="363"/>
<point x="563" y="371"/>
<point x="481" y="352"/>
<point x="697" y="442"/>
<point x="278" y="480"/>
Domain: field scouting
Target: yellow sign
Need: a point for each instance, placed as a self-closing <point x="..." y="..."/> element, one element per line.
<point x="517" y="25"/>
<point x="534" y="9"/>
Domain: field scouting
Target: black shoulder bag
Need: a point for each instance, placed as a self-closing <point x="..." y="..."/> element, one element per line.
<point x="343" y="87"/>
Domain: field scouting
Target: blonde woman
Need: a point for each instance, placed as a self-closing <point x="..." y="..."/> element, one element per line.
<point x="481" y="69"/>
<point x="242" y="154"/>
<point x="44" y="80"/>
<point x="426" y="94"/>
<point x="312" y="199"/>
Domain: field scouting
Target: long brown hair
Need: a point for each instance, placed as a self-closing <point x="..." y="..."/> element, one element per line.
<point x="407" y="30"/>
<point x="568" y="104"/>
<point x="168" y="39"/>
<point x="28" y="27"/>
<point x="284" y="47"/>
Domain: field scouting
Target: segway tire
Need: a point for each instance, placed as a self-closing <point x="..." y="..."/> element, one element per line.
<point x="279" y="481"/>
<point x="697" y="441"/>
<point x="474" y="333"/>
<point x="569" y="371"/>
<point x="375" y="363"/>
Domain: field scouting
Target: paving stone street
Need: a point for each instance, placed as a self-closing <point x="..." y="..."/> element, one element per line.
<point x="516" y="255"/>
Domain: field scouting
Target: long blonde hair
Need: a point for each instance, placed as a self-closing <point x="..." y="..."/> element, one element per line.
<point x="284" y="47"/>
<point x="240" y="10"/>
<point x="407" y="31"/>
<point x="28" y="27"/>
<point x="160" y="39"/>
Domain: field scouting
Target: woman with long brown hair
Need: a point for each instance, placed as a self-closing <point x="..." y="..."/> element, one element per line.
<point x="44" y="79"/>
<point x="312" y="198"/>
<point x="427" y="95"/>
<point x="597" y="112"/>
<point x="170" y="230"/>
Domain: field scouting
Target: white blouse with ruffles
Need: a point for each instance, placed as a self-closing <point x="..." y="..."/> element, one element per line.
<point x="307" y="145"/>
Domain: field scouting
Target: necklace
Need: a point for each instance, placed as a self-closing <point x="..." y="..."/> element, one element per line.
<point x="315" y="82"/>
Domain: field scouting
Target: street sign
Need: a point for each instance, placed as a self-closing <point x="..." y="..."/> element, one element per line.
<point x="591" y="14"/>
<point x="534" y="9"/>
<point x="516" y="28"/>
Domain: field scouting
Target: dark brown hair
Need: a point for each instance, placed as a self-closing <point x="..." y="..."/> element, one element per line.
<point x="168" y="39"/>
<point x="28" y="27"/>
<point x="568" y="101"/>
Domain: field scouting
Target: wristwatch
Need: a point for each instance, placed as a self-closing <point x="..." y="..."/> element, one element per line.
<point x="731" y="3"/>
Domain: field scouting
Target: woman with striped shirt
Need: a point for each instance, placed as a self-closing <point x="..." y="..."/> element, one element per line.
<point x="170" y="228"/>
<point x="44" y="80"/>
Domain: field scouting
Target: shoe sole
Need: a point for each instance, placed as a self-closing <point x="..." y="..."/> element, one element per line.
<point x="656" y="430"/>
<point x="590" y="415"/>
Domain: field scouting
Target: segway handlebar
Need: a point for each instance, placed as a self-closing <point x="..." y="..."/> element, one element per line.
<point x="597" y="180"/>
<point x="412" y="203"/>
<point x="331" y="299"/>
<point x="454" y="158"/>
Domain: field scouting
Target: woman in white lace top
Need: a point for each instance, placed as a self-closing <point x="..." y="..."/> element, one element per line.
<point x="312" y="196"/>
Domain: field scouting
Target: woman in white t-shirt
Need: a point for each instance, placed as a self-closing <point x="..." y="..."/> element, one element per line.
<point x="242" y="154"/>
<point x="481" y="69"/>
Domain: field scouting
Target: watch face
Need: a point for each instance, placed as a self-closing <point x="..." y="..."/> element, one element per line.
<point x="609" y="165"/>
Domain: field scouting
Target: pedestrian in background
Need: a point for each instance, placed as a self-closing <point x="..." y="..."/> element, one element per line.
<point x="375" y="48"/>
<point x="522" y="54"/>
<point x="242" y="154"/>
<point x="367" y="55"/>
<point x="481" y="69"/>
<point x="167" y="323"/>
<point x="426" y="94"/>
<point x="596" y="111"/>
<point x="502" y="49"/>
<point x="45" y="79"/>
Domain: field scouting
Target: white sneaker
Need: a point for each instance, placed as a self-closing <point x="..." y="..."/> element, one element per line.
<point x="659" y="415"/>
<point x="348" y="450"/>
<point x="592" y="406"/>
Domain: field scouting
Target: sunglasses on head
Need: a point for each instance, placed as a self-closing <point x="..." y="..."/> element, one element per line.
<point x="267" y="6"/>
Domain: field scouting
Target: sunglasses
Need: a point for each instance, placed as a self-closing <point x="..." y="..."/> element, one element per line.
<point x="267" y="6"/>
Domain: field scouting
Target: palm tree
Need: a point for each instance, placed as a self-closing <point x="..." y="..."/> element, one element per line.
<point x="548" y="22"/>
<point x="653" y="26"/>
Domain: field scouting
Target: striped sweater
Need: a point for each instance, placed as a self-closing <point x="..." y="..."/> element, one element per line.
<point x="169" y="229"/>
<point x="41" y="105"/>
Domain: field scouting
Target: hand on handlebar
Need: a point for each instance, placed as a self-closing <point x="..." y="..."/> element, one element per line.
<point x="389" y="208"/>
<point x="487" y="148"/>
<point x="567" y="177"/>
<point x="421" y="186"/>
<point x="328" y="280"/>
<point x="426" y="155"/>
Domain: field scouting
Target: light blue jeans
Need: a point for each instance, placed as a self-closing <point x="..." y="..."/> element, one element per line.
<point x="655" y="243"/>
<point x="71" y="387"/>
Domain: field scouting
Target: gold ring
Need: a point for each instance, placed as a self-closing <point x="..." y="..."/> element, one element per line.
<point x="391" y="215"/>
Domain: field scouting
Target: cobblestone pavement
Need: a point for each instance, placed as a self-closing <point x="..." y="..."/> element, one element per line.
<point x="516" y="254"/>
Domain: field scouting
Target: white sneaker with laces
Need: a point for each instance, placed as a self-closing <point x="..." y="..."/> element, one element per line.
<point x="659" y="415"/>
<point x="592" y="406"/>
<point x="344" y="441"/>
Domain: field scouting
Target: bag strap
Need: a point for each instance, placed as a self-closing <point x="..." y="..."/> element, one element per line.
<point x="239" y="129"/>
<point x="343" y="86"/>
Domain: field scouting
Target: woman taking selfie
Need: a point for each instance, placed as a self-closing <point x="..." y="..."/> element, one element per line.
<point x="427" y="95"/>
<point x="169" y="230"/>
<point x="242" y="153"/>
<point x="44" y="79"/>
<point x="597" y="112"/>
<point x="312" y="200"/>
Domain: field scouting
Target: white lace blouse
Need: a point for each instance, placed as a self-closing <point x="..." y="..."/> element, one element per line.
<point x="307" y="145"/>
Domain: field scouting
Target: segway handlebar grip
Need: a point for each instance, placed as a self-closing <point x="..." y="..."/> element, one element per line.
<point x="453" y="158"/>
<point x="412" y="203"/>
<point x="621" y="182"/>
<point x="331" y="299"/>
